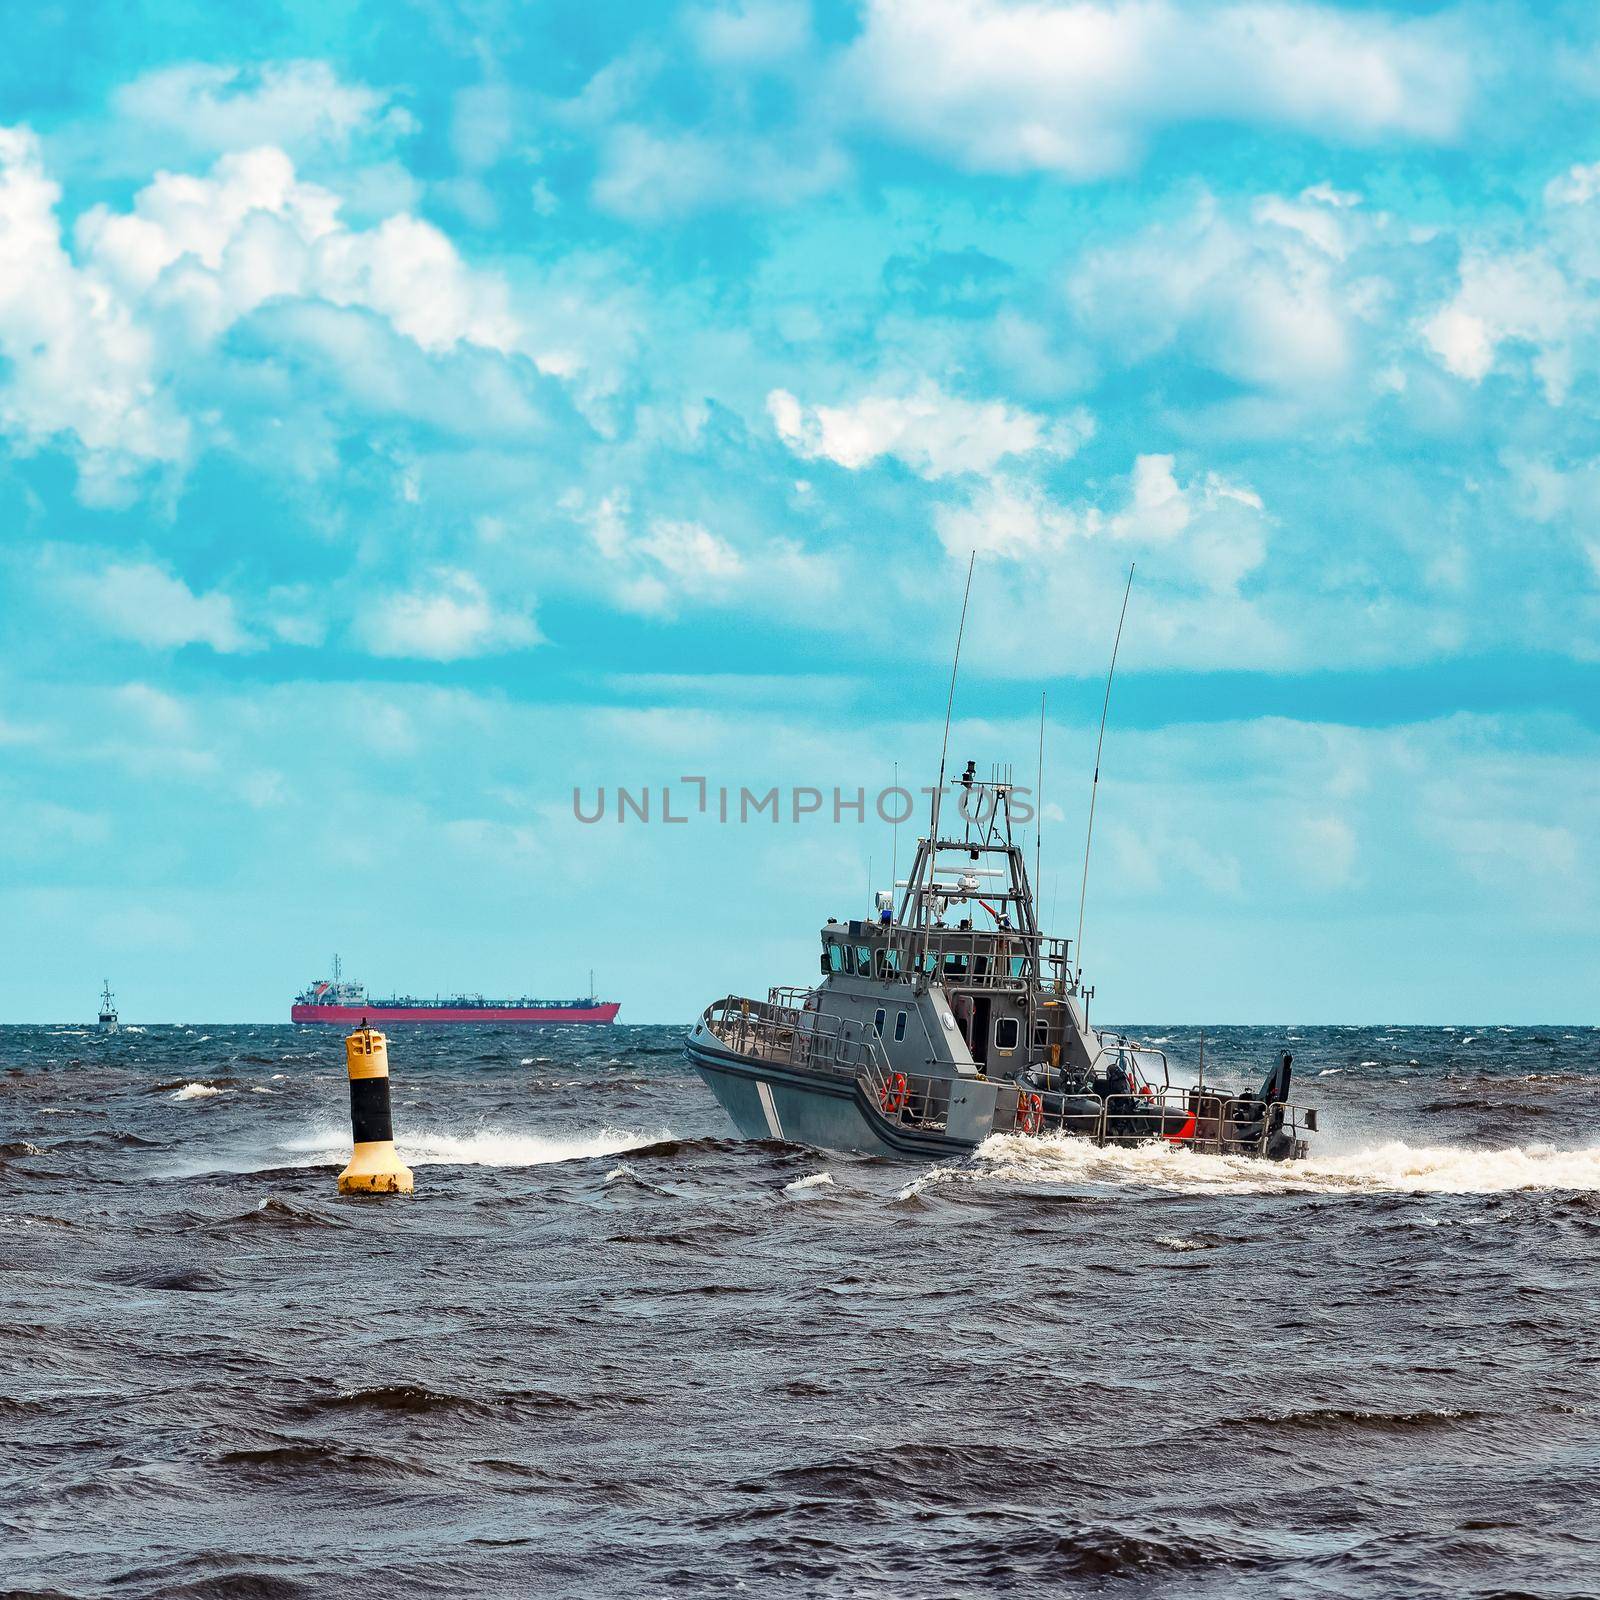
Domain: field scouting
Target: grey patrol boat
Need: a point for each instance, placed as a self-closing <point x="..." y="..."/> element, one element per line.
<point x="953" y="1017"/>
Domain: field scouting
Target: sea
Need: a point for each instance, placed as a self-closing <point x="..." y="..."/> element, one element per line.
<point x="607" y="1348"/>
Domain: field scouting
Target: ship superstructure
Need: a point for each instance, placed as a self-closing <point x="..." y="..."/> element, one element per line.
<point x="107" y="1022"/>
<point x="336" y="1000"/>
<point x="951" y="1016"/>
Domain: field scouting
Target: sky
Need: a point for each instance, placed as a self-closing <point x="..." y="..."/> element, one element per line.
<point x="414" y="415"/>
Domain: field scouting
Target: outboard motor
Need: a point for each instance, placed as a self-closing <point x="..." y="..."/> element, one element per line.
<point x="1276" y="1087"/>
<point x="1274" y="1092"/>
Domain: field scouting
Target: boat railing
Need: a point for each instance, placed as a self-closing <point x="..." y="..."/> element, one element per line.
<point x="1132" y="1053"/>
<point x="783" y="1033"/>
<point x="908" y="1098"/>
<point x="1211" y="1121"/>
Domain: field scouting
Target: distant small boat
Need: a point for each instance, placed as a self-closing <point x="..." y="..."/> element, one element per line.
<point x="108" y="1011"/>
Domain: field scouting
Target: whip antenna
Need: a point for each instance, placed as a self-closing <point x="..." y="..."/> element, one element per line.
<point x="915" y="888"/>
<point x="1094" y="787"/>
<point x="1038" y="818"/>
<point x="949" y="705"/>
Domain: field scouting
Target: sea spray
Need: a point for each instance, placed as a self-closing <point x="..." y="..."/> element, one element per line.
<point x="1392" y="1166"/>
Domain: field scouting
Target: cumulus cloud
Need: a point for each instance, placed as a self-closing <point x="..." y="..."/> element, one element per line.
<point x="80" y="363"/>
<point x="1079" y="88"/>
<point x="96" y="339"/>
<point x="1262" y="298"/>
<point x="211" y="249"/>
<point x="450" y="617"/>
<point x="1519" y="297"/>
<point x="1056" y="571"/>
<point x="141" y="602"/>
<point x="937" y="435"/>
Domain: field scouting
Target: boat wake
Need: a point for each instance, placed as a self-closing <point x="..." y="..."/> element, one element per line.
<point x="1394" y="1167"/>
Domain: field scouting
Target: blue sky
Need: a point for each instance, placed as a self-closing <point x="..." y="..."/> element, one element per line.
<point x="410" y="413"/>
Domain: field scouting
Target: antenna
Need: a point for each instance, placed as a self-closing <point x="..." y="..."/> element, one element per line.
<point x="944" y="748"/>
<point x="949" y="705"/>
<point x="895" y="845"/>
<point x="1094" y="787"/>
<point x="1038" y="800"/>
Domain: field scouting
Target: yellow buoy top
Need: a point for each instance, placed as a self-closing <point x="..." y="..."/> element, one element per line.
<point x="366" y="1054"/>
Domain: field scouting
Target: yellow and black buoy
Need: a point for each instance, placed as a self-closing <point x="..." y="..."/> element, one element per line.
<point x="375" y="1166"/>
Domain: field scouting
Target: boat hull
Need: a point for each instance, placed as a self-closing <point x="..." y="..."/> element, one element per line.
<point x="829" y="1111"/>
<point x="429" y="1016"/>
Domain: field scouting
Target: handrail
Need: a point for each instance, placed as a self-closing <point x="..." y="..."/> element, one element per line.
<point x="1208" y="1120"/>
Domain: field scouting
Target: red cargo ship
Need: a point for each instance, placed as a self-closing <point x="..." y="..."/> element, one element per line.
<point x="334" y="1000"/>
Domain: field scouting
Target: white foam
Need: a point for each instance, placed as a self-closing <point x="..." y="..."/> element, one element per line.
<point x="195" y="1091"/>
<point x="1395" y="1166"/>
<point x="328" y="1145"/>
<point x="815" y="1181"/>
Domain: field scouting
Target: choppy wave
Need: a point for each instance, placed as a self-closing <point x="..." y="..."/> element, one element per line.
<point x="816" y="1180"/>
<point x="196" y="1091"/>
<point x="1393" y="1166"/>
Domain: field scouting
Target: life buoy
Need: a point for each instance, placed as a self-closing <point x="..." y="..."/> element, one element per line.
<point x="1030" y="1112"/>
<point x="894" y="1094"/>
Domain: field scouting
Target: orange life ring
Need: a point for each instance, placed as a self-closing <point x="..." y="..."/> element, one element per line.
<point x="1030" y="1112"/>
<point x="894" y="1094"/>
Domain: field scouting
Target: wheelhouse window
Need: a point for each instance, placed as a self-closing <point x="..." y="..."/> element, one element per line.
<point x="1007" y="1031"/>
<point x="835" y="957"/>
<point x="864" y="960"/>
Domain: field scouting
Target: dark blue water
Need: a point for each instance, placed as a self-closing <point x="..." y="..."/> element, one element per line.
<point x="608" y="1349"/>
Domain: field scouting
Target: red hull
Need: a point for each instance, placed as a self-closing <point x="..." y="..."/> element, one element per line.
<point x="351" y="1015"/>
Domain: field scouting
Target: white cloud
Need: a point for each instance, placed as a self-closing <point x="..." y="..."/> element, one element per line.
<point x="139" y="602"/>
<point x="1220" y="527"/>
<point x="1078" y="89"/>
<point x="300" y="105"/>
<point x="935" y="434"/>
<point x="653" y="565"/>
<point x="1265" y="301"/>
<point x="1577" y="186"/>
<point x="215" y="248"/>
<point x="670" y="560"/>
<point x="1522" y="297"/>
<point x="449" y="619"/>
<point x="93" y="341"/>
<point x="80" y="363"/>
